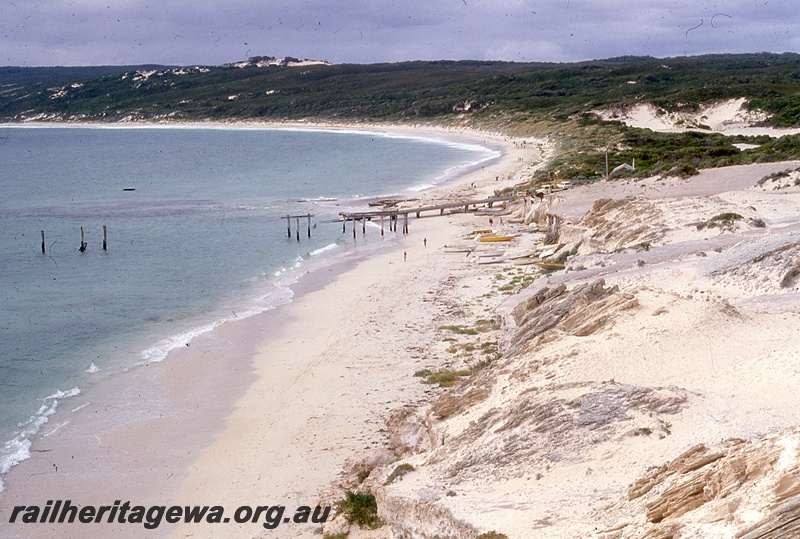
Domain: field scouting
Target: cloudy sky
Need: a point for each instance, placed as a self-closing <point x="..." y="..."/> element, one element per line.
<point x="189" y="32"/>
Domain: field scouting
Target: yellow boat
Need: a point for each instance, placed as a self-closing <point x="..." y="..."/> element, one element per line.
<point x="493" y="237"/>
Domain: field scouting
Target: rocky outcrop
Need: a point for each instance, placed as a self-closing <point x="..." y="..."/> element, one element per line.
<point x="581" y="312"/>
<point x="746" y="490"/>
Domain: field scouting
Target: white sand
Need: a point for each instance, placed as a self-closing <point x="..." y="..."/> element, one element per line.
<point x="310" y="386"/>
<point x="265" y="411"/>
<point x="728" y="117"/>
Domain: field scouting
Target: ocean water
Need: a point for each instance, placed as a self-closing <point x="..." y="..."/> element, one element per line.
<point x="195" y="237"/>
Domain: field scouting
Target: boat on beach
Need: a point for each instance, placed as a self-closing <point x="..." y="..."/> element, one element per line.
<point x="494" y="237"/>
<point x="459" y="248"/>
<point x="484" y="254"/>
<point x="491" y="259"/>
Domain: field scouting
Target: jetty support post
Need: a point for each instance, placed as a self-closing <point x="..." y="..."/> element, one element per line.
<point x="44" y="251"/>
<point x="289" y="226"/>
<point x="83" y="242"/>
<point x="354" y="226"/>
<point x="309" y="224"/>
<point x="297" y="222"/>
<point x="105" y="239"/>
<point x="405" y="223"/>
<point x="381" y="228"/>
<point x="363" y="225"/>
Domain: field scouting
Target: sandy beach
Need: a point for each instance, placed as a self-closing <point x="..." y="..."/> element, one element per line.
<point x="265" y="411"/>
<point x="645" y="389"/>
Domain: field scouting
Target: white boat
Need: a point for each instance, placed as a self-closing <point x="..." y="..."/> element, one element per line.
<point x="526" y="254"/>
<point x="491" y="259"/>
<point x="488" y="254"/>
<point x="459" y="248"/>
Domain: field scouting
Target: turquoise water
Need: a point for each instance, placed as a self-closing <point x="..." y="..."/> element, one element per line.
<point x="195" y="236"/>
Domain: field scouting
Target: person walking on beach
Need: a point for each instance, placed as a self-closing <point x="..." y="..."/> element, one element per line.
<point x="425" y="242"/>
<point x="405" y="254"/>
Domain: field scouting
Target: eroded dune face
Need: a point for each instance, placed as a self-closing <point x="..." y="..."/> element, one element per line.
<point x="646" y="391"/>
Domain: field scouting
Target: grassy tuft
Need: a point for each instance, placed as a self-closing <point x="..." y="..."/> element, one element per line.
<point x="360" y="508"/>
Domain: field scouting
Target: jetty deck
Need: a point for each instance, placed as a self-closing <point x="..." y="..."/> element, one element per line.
<point x="394" y="214"/>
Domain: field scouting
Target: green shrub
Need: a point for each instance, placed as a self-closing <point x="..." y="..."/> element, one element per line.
<point x="360" y="508"/>
<point x="445" y="378"/>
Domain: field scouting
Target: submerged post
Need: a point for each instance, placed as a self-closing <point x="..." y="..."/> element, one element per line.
<point x="83" y="243"/>
<point x="289" y="226"/>
<point x="309" y="224"/>
<point x="297" y="222"/>
<point x="105" y="243"/>
<point x="43" y="248"/>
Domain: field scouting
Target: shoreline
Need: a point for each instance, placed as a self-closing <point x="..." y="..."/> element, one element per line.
<point x="646" y="352"/>
<point x="232" y="347"/>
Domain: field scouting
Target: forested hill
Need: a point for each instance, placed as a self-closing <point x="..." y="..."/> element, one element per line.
<point x="530" y="99"/>
<point x="470" y="92"/>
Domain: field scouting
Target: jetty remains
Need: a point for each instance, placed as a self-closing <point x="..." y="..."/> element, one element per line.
<point x="395" y="214"/>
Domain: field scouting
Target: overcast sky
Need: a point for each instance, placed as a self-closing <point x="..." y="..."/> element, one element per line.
<point x="191" y="32"/>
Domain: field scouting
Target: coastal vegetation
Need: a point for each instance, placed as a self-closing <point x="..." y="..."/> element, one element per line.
<point x="513" y="98"/>
<point x="360" y="508"/>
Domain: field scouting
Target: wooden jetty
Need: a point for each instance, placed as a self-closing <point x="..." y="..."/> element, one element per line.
<point x="395" y="214"/>
<point x="297" y="218"/>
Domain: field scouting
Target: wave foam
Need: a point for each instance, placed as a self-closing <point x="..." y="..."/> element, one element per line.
<point x="17" y="449"/>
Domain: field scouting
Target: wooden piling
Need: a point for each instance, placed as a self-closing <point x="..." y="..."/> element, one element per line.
<point x="363" y="225"/>
<point x="381" y="228"/>
<point x="44" y="251"/>
<point x="309" y="224"/>
<point x="297" y="222"/>
<point x="105" y="239"/>
<point x="405" y="223"/>
<point x="289" y="226"/>
<point x="83" y="242"/>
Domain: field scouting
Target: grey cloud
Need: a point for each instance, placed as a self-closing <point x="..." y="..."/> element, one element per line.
<point x="212" y="32"/>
